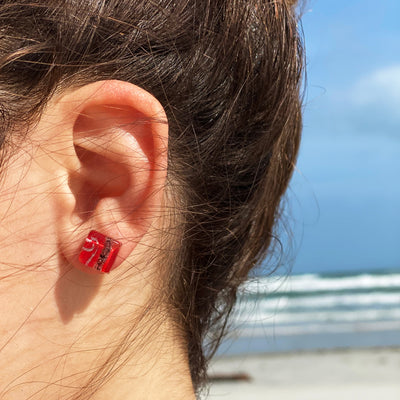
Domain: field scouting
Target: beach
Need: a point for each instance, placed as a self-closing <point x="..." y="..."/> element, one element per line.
<point x="349" y="374"/>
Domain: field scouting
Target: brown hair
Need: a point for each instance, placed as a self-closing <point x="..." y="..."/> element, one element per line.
<point x="228" y="73"/>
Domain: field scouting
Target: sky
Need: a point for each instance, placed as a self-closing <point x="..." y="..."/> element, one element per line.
<point x="344" y="199"/>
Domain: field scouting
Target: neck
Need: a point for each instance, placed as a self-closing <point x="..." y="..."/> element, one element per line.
<point x="111" y="348"/>
<point x="159" y="371"/>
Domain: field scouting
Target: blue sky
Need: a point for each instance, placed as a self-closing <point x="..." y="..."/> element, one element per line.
<point x="345" y="196"/>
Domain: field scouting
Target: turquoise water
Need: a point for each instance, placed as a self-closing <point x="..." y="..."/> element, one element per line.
<point x="317" y="311"/>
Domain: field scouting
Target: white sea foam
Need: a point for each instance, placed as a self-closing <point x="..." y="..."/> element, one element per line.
<point x="324" y="310"/>
<point x="316" y="304"/>
<point x="285" y="318"/>
<point x="327" y="301"/>
<point x="275" y="331"/>
<point x="312" y="283"/>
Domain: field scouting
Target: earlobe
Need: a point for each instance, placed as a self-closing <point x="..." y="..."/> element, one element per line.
<point x="118" y="133"/>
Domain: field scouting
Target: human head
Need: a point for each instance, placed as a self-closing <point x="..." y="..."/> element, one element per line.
<point x="220" y="79"/>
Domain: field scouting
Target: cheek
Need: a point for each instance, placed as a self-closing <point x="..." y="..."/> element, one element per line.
<point x="26" y="234"/>
<point x="28" y="255"/>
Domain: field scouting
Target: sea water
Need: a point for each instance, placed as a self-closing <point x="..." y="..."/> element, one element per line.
<point x="316" y="311"/>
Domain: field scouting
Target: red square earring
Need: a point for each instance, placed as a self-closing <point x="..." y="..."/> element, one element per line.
<point x="99" y="251"/>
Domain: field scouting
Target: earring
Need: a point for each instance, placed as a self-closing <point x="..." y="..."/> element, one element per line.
<point x="99" y="251"/>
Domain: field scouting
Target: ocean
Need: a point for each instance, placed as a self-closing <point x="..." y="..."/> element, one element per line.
<point x="316" y="311"/>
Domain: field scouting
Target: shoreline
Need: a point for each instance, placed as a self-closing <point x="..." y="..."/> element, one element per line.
<point x="335" y="349"/>
<point x="348" y="374"/>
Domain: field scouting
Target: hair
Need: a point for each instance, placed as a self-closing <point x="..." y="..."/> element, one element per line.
<point x="228" y="73"/>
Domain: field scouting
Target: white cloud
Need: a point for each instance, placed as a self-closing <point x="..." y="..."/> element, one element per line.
<point x="370" y="105"/>
<point x="381" y="89"/>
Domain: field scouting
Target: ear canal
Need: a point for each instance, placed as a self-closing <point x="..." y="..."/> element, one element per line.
<point x="103" y="175"/>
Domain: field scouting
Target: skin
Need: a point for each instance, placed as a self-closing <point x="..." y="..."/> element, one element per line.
<point x="88" y="163"/>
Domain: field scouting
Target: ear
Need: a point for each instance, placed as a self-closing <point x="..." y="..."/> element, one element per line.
<point x="114" y="162"/>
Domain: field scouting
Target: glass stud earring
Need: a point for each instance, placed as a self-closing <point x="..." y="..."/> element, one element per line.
<point x="99" y="251"/>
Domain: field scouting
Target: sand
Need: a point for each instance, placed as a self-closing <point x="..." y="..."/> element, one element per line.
<point x="324" y="375"/>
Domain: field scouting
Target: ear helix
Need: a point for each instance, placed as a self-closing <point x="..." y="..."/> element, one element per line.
<point x="99" y="251"/>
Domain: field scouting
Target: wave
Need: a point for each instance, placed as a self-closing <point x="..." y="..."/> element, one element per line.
<point x="310" y="329"/>
<point x="320" y="310"/>
<point x="327" y="301"/>
<point x="354" y="316"/>
<point x="313" y="283"/>
<point x="318" y="303"/>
